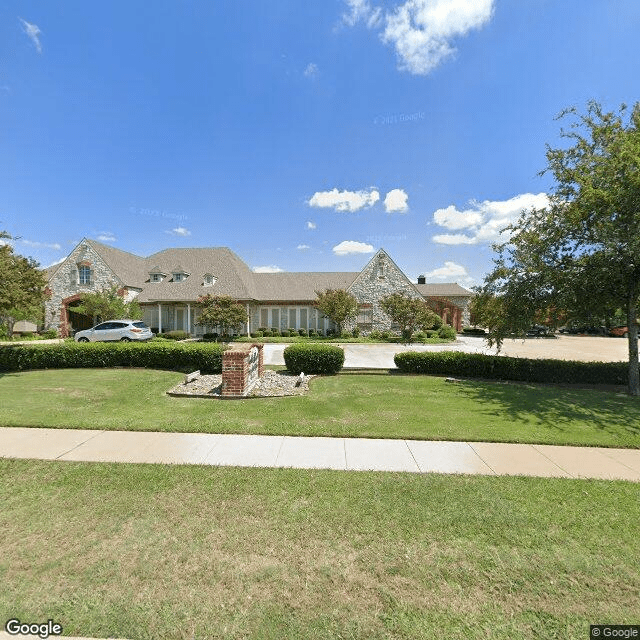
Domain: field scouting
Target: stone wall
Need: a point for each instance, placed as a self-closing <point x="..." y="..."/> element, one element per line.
<point x="65" y="285"/>
<point x="380" y="278"/>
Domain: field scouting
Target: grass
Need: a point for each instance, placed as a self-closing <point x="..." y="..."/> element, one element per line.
<point x="196" y="553"/>
<point x="366" y="405"/>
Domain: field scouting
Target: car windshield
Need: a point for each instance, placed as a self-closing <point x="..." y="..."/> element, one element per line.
<point x="140" y="325"/>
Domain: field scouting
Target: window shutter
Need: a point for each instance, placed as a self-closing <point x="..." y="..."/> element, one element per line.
<point x="74" y="277"/>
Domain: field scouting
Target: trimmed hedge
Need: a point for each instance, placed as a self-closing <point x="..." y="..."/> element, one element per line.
<point x="151" y="355"/>
<point x="313" y="358"/>
<point x="477" y="365"/>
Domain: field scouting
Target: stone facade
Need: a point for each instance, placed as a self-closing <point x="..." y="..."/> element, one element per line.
<point x="66" y="285"/>
<point x="380" y="278"/>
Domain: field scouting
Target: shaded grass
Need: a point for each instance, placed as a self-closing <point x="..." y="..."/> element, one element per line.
<point x="365" y="405"/>
<point x="152" y="551"/>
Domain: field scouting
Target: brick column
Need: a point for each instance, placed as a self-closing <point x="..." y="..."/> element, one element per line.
<point x="236" y="368"/>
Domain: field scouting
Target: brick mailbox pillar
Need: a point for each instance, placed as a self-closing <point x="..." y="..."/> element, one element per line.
<point x="241" y="368"/>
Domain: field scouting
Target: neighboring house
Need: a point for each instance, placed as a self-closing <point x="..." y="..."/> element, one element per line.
<point x="168" y="284"/>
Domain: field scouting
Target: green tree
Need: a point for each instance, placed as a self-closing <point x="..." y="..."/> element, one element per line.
<point x="581" y="253"/>
<point x="108" y="304"/>
<point x="221" y="311"/>
<point x="22" y="286"/>
<point x="338" y="305"/>
<point x="410" y="313"/>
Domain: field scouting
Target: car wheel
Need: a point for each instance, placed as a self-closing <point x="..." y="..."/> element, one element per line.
<point x="83" y="339"/>
<point x="125" y="339"/>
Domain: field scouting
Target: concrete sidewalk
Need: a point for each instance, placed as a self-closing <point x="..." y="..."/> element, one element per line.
<point x="346" y="454"/>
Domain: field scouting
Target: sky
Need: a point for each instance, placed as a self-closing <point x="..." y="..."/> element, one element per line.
<point x="303" y="135"/>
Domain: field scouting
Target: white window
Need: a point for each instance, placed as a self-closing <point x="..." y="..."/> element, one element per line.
<point x="178" y="277"/>
<point x="209" y="280"/>
<point x="84" y="275"/>
<point x="156" y="277"/>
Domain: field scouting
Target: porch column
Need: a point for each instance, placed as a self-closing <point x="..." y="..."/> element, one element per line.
<point x="248" y="322"/>
<point x="188" y="318"/>
<point x="159" y="318"/>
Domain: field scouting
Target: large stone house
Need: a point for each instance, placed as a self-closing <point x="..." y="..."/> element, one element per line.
<point x="168" y="284"/>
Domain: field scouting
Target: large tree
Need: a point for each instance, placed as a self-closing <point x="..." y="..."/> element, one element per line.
<point x="409" y="313"/>
<point x="22" y="286"/>
<point x="108" y="304"/>
<point x="221" y="311"/>
<point x="338" y="305"/>
<point x="581" y="254"/>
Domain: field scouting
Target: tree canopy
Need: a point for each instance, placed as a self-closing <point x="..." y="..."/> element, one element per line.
<point x="108" y="304"/>
<point x="22" y="286"/>
<point x="410" y="313"/>
<point x="221" y="311"/>
<point x="580" y="255"/>
<point x="338" y="305"/>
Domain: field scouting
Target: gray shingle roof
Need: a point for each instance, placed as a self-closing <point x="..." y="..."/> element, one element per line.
<point x="232" y="277"/>
<point x="443" y="289"/>
<point x="298" y="285"/>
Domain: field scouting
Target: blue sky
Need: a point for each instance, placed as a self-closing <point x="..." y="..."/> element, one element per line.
<point x="303" y="135"/>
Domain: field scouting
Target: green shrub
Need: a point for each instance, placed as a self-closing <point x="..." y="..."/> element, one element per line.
<point x="385" y="335"/>
<point x="49" y="334"/>
<point x="477" y="365"/>
<point x="355" y="332"/>
<point x="313" y="333"/>
<point x="266" y="333"/>
<point x="345" y="334"/>
<point x="275" y="333"/>
<point x="257" y="334"/>
<point x="431" y="333"/>
<point x="375" y="335"/>
<point x="151" y="355"/>
<point x="419" y="336"/>
<point x="176" y="335"/>
<point x="313" y="358"/>
<point x="447" y="332"/>
<point x="302" y="333"/>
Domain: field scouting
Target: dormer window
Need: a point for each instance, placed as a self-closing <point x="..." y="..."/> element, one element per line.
<point x="179" y="274"/>
<point x="209" y="280"/>
<point x="156" y="277"/>
<point x="178" y="277"/>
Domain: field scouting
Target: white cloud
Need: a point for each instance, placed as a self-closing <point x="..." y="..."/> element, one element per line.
<point x="44" y="245"/>
<point x="311" y="225"/>
<point x="483" y="221"/>
<point x="106" y="236"/>
<point x="447" y="272"/>
<point x="311" y="70"/>
<point x="345" y="200"/>
<point x="180" y="231"/>
<point x="361" y="10"/>
<point x="303" y="247"/>
<point x="348" y="247"/>
<point x="270" y="268"/>
<point x="396" y="201"/>
<point x="53" y="264"/>
<point x="33" y="31"/>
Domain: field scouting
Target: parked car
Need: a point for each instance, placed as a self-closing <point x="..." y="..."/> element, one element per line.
<point x="116" y="330"/>
<point x="584" y="330"/>
<point x="538" y="330"/>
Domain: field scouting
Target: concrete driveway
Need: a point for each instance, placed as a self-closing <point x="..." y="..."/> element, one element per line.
<point x="380" y="356"/>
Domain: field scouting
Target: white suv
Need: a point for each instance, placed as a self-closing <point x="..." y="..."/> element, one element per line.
<point x="122" y="330"/>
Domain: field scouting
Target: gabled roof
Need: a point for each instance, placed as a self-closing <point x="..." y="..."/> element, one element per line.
<point x="233" y="276"/>
<point x="443" y="289"/>
<point x="129" y="268"/>
<point x="299" y="285"/>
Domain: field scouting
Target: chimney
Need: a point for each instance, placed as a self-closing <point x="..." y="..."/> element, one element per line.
<point x="422" y="280"/>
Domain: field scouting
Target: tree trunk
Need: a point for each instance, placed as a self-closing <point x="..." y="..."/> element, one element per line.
<point x="632" y="327"/>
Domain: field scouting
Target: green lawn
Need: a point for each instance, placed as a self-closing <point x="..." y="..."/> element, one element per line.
<point x="184" y="553"/>
<point x="382" y="405"/>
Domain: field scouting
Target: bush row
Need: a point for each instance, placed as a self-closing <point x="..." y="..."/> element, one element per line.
<point x="152" y="355"/>
<point x="476" y="365"/>
<point x="313" y="358"/>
